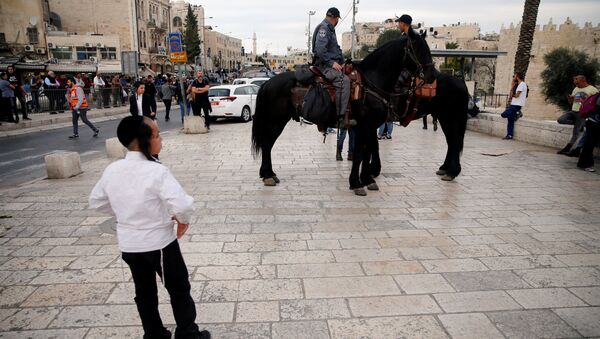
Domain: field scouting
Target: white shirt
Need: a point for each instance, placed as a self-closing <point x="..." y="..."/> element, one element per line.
<point x="98" y="82"/>
<point x="143" y="195"/>
<point x="139" y="99"/>
<point x="520" y="101"/>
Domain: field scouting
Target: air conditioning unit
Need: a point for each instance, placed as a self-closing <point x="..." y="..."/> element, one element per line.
<point x="100" y="45"/>
<point x="87" y="44"/>
<point x="94" y="59"/>
<point x="29" y="48"/>
<point x="40" y="51"/>
<point x="51" y="45"/>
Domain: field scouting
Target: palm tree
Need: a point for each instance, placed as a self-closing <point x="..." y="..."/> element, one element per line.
<point x="523" y="54"/>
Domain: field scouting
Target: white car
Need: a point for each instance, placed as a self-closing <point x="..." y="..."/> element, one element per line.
<point x="256" y="81"/>
<point x="233" y="101"/>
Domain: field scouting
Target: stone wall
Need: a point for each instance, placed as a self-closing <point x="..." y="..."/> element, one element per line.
<point x="15" y="17"/>
<point x="546" y="39"/>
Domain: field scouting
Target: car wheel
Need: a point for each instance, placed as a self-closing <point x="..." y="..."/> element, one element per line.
<point x="246" y="114"/>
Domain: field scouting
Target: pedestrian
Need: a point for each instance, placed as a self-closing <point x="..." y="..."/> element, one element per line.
<point x="8" y="93"/>
<point x="200" y="102"/>
<point x="404" y="23"/>
<point x="329" y="58"/>
<point x="99" y="85"/>
<point x="115" y="86"/>
<point x="166" y="94"/>
<point x="79" y="106"/>
<point x="340" y="143"/>
<point x="35" y="85"/>
<point x="150" y="90"/>
<point x="518" y="95"/>
<point x="581" y="91"/>
<point x="385" y="130"/>
<point x="19" y="92"/>
<point x="79" y="80"/>
<point x="148" y="207"/>
<point x="140" y="104"/>
<point x="434" y="119"/>
<point x="51" y="86"/>
<point x="182" y="99"/>
<point x="592" y="127"/>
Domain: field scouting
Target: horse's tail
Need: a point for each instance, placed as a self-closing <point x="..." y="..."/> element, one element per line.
<point x="271" y="105"/>
<point x="259" y="123"/>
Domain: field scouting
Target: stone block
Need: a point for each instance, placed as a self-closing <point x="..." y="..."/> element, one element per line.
<point x="114" y="149"/>
<point x="194" y="125"/>
<point x="62" y="165"/>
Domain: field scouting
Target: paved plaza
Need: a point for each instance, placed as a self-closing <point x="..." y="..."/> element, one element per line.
<point x="511" y="248"/>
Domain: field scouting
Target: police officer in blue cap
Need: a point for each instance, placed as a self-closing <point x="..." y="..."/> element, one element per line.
<point x="329" y="58"/>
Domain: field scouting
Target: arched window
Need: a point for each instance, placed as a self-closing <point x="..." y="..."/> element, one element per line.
<point x="177" y="22"/>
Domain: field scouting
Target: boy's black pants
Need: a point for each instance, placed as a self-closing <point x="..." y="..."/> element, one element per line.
<point x="144" y="267"/>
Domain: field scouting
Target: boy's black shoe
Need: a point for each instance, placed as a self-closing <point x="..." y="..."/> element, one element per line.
<point x="575" y="152"/>
<point x="565" y="149"/>
<point x="508" y="137"/>
<point x="96" y="133"/>
<point x="204" y="335"/>
<point x="74" y="136"/>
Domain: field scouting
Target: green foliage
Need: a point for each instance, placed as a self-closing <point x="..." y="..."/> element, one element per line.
<point x="190" y="37"/>
<point x="451" y="45"/>
<point x="389" y="35"/>
<point x="562" y="65"/>
<point x="264" y="62"/>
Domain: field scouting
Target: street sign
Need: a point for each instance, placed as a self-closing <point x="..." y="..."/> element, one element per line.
<point x="129" y="62"/>
<point x="176" y="52"/>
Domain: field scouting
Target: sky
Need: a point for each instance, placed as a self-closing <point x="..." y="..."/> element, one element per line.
<point x="280" y="23"/>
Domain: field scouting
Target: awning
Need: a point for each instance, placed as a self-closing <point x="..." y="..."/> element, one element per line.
<point x="5" y="62"/>
<point x="109" y="68"/>
<point x="81" y="68"/>
<point x="30" y="66"/>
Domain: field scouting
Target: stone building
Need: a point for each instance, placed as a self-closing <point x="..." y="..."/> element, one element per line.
<point x="141" y="25"/>
<point x="222" y="51"/>
<point x="23" y="25"/>
<point x="545" y="39"/>
<point x="89" y="53"/>
<point x="179" y="9"/>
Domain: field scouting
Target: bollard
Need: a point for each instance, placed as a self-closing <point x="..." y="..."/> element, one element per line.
<point x="62" y="165"/>
<point x="114" y="149"/>
<point x="194" y="125"/>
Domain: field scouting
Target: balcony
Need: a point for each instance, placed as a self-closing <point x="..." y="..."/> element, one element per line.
<point x="153" y="50"/>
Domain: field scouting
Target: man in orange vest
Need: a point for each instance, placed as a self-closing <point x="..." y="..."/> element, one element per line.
<point x="79" y="106"/>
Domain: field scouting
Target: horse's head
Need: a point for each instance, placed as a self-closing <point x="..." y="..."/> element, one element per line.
<point x="420" y="54"/>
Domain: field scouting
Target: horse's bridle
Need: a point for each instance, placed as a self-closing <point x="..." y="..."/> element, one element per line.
<point x="385" y="97"/>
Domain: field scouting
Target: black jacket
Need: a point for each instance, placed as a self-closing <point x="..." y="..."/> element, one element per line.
<point x="147" y="106"/>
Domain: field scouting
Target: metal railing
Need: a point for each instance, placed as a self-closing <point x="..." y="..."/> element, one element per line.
<point x="52" y="100"/>
<point x="491" y="100"/>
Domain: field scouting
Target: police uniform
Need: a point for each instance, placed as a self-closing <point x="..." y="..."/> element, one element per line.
<point x="327" y="51"/>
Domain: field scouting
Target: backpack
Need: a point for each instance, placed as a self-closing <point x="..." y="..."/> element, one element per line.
<point x="588" y="106"/>
<point x="316" y="105"/>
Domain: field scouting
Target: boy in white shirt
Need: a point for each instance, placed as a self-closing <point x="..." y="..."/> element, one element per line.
<point x="518" y="95"/>
<point x="146" y="200"/>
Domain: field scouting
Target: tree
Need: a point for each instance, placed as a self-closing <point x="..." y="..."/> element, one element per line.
<point x="190" y="36"/>
<point x="530" y="11"/>
<point x="562" y="65"/>
<point x="457" y="64"/>
<point x="389" y="35"/>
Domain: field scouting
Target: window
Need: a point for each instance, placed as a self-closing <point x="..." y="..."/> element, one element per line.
<point x="177" y="22"/>
<point x="2" y="38"/>
<point x="218" y="92"/>
<point x="108" y="53"/>
<point x="84" y="53"/>
<point x="32" y="35"/>
<point x="63" y="53"/>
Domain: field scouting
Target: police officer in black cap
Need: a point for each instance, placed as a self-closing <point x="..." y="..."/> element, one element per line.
<point x="404" y="23"/>
<point x="329" y="58"/>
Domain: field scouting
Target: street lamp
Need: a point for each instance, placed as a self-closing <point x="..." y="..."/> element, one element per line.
<point x="310" y="13"/>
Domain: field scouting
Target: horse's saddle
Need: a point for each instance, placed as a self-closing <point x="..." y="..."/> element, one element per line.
<point x="309" y="76"/>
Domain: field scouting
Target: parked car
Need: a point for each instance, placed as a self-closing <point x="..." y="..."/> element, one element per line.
<point x="255" y="81"/>
<point x="233" y="101"/>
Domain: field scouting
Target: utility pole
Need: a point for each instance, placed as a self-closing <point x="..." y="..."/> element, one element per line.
<point x="353" y="36"/>
<point x="310" y="13"/>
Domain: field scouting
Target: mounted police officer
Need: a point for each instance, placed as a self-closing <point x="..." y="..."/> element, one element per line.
<point x="329" y="58"/>
<point x="404" y="23"/>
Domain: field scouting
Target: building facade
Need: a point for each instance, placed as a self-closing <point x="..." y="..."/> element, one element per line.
<point x="141" y="25"/>
<point x="545" y="39"/>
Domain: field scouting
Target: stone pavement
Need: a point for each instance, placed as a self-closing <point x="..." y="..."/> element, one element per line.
<point x="511" y="248"/>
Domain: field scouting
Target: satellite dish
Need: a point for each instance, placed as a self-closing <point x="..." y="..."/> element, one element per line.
<point x="33" y="20"/>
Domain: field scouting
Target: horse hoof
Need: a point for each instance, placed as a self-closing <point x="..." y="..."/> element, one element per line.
<point x="373" y="187"/>
<point x="447" y="178"/>
<point x="360" y="191"/>
<point x="276" y="179"/>
<point x="374" y="175"/>
<point x="269" y="182"/>
<point x="441" y="172"/>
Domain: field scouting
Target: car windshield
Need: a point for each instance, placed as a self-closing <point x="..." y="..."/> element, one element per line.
<point x="218" y="92"/>
<point x="258" y="82"/>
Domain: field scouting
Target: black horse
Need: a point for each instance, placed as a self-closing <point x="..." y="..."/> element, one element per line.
<point x="381" y="70"/>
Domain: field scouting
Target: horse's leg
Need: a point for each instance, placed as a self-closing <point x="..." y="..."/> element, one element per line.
<point x="454" y="139"/>
<point x="359" y="146"/>
<point x="366" y="174"/>
<point x="266" y="167"/>
<point x="375" y="159"/>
